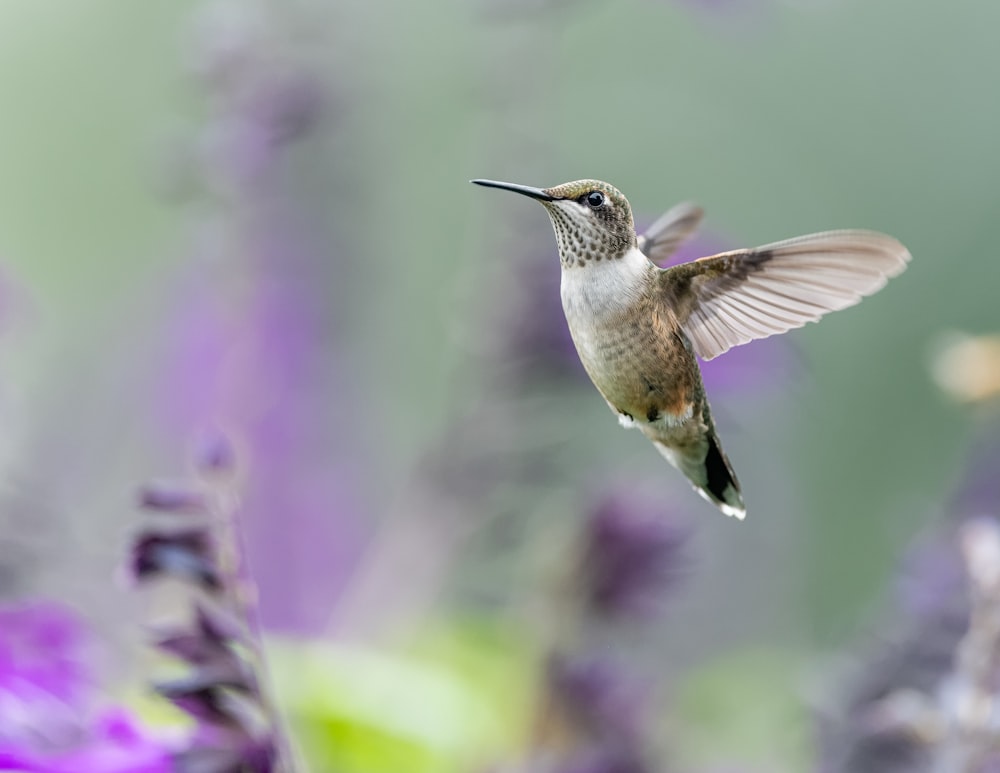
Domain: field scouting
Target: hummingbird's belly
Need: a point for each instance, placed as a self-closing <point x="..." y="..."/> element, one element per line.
<point x="644" y="372"/>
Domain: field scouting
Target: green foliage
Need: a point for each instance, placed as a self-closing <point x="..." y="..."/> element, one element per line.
<point x="453" y="700"/>
<point x="744" y="708"/>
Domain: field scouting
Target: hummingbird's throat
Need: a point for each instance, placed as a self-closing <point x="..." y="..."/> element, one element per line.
<point x="582" y="239"/>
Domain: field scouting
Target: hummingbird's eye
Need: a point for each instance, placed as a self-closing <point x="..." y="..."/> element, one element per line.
<point x="594" y="199"/>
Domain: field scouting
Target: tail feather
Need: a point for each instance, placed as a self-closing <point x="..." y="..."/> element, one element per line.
<point x="709" y="471"/>
<point x="721" y="486"/>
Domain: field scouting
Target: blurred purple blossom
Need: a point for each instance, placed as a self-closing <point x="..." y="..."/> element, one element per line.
<point x="251" y="345"/>
<point x="214" y="455"/>
<point x="260" y="97"/>
<point x="535" y="336"/>
<point x="272" y="382"/>
<point x="42" y="650"/>
<point x="912" y="656"/>
<point x="238" y="726"/>
<point x="206" y="642"/>
<point x="599" y="696"/>
<point x="623" y="759"/>
<point x="260" y="119"/>
<point x="932" y="580"/>
<point x="978" y="492"/>
<point x="632" y="556"/>
<point x="899" y="712"/>
<point x="49" y="722"/>
<point x="113" y="743"/>
<point x="172" y="498"/>
<point x="598" y="709"/>
<point x="185" y="553"/>
<point x="224" y="758"/>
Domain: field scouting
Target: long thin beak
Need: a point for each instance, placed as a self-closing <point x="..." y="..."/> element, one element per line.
<point x="535" y="193"/>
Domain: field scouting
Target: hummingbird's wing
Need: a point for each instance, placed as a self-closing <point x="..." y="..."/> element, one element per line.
<point x="734" y="297"/>
<point x="669" y="231"/>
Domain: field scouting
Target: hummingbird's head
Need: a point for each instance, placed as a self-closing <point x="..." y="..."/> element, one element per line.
<point x="592" y="219"/>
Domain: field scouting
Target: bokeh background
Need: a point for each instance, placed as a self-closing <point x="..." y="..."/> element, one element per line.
<point x="256" y="217"/>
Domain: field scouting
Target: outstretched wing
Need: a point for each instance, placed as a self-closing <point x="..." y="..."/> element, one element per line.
<point x="734" y="297"/>
<point x="665" y="235"/>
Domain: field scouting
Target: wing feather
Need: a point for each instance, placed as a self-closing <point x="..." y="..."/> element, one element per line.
<point x="669" y="231"/>
<point x="728" y="299"/>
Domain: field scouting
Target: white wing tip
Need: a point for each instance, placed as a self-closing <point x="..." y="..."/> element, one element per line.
<point x="904" y="257"/>
<point x="896" y="250"/>
<point x="889" y="246"/>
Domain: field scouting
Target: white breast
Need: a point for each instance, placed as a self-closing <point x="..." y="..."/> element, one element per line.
<point x="600" y="289"/>
<point x="595" y="297"/>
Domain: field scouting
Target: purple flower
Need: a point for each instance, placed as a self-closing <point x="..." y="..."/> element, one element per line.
<point x="42" y="653"/>
<point x="48" y="723"/>
<point x="632" y="557"/>
<point x="237" y="724"/>
<point x="258" y="98"/>
<point x="172" y="498"/>
<point x="247" y="141"/>
<point x="253" y="347"/>
<point x="114" y="743"/>
<point x="978" y="493"/>
<point x="932" y="580"/>
<point x="207" y="642"/>
<point x="990" y="765"/>
<point x="186" y="553"/>
<point x="224" y="757"/>
<point x="624" y="759"/>
<point x="534" y="337"/>
<point x="214" y="455"/>
<point x="598" y="696"/>
<point x="869" y="732"/>
<point x="911" y="687"/>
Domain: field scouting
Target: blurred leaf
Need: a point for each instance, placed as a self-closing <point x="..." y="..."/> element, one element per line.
<point x="451" y="703"/>
<point x="744" y="708"/>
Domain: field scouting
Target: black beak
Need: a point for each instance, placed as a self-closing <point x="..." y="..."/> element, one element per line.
<point x="535" y="193"/>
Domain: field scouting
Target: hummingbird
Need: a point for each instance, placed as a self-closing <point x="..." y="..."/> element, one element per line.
<point x="639" y="328"/>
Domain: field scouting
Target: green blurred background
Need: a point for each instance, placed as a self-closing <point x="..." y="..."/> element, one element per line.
<point x="780" y="118"/>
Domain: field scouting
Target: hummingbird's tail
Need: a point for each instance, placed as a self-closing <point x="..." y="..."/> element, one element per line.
<point x="709" y="471"/>
<point x="720" y="486"/>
